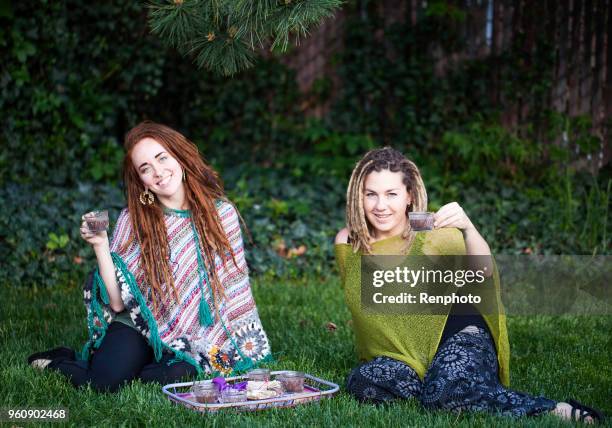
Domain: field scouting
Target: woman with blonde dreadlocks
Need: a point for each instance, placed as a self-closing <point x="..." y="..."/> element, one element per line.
<point x="456" y="361"/>
<point x="171" y="295"/>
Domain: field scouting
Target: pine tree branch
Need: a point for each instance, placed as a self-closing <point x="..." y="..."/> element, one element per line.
<point x="223" y="35"/>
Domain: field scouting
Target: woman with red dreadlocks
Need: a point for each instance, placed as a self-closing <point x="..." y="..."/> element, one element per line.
<point x="171" y="296"/>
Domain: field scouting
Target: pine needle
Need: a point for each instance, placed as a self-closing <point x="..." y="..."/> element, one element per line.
<point x="223" y="35"/>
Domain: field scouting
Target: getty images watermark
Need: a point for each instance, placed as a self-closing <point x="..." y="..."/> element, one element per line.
<point x="515" y="285"/>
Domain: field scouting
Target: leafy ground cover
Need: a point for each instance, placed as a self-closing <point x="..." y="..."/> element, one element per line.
<point x="557" y="357"/>
<point x="292" y="220"/>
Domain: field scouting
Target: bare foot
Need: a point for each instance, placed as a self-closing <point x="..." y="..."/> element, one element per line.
<point x="40" y="364"/>
<point x="564" y="411"/>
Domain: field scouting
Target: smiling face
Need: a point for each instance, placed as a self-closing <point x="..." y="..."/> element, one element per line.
<point x="158" y="170"/>
<point x="385" y="201"/>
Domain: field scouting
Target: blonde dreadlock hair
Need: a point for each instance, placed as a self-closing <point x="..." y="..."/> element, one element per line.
<point x="386" y="158"/>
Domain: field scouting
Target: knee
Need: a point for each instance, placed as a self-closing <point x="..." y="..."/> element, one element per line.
<point x="472" y="329"/>
<point x="434" y="391"/>
<point x="443" y="393"/>
<point x="165" y="372"/>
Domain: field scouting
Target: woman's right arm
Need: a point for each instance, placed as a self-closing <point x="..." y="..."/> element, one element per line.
<point x="342" y="236"/>
<point x="106" y="267"/>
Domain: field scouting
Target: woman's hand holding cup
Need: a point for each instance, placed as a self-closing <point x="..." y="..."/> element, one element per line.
<point x="93" y="228"/>
<point x="452" y="215"/>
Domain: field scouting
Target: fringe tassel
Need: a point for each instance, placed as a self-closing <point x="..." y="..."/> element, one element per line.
<point x="243" y="365"/>
<point x="97" y="288"/>
<point x="204" y="311"/>
<point x="154" y="339"/>
<point x="181" y="356"/>
<point x="248" y="364"/>
<point x="206" y="319"/>
<point x="99" y="283"/>
<point x="85" y="351"/>
<point x="173" y="361"/>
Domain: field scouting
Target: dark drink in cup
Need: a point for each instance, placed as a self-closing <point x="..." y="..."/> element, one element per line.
<point x="421" y="220"/>
<point x="205" y="392"/>
<point x="291" y="381"/>
<point x="97" y="221"/>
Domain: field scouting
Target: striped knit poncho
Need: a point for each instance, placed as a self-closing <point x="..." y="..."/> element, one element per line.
<point x="215" y="339"/>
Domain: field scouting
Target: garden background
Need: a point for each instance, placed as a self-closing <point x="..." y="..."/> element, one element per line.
<point x="487" y="97"/>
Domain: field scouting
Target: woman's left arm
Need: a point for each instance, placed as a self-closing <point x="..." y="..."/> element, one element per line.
<point x="452" y="215"/>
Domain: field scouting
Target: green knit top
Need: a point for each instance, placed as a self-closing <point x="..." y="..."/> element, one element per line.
<point x="414" y="338"/>
<point x="124" y="318"/>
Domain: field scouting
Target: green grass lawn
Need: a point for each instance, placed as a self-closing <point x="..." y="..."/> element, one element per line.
<point x="558" y="357"/>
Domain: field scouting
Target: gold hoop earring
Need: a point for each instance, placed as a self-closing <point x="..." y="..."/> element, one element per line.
<point x="183" y="175"/>
<point x="146" y="197"/>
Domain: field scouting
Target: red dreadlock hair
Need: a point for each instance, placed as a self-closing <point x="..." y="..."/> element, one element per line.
<point x="202" y="188"/>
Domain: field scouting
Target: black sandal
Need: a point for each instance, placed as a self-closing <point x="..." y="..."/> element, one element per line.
<point x="584" y="412"/>
<point x="52" y="354"/>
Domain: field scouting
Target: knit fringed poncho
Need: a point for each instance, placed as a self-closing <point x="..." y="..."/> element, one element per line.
<point x="225" y="338"/>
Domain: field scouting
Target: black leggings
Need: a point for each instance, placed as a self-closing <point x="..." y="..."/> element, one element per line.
<point x="123" y="355"/>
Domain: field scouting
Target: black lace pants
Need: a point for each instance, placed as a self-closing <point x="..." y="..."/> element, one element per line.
<point x="462" y="376"/>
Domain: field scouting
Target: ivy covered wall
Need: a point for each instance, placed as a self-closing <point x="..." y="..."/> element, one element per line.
<point x="74" y="79"/>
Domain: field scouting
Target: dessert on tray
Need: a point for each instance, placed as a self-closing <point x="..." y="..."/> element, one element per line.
<point x="257" y="390"/>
